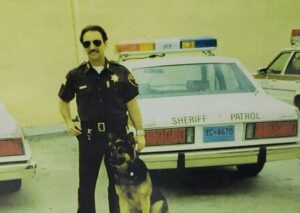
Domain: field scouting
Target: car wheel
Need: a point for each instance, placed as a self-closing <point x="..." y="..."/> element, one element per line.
<point x="10" y="185"/>
<point x="249" y="170"/>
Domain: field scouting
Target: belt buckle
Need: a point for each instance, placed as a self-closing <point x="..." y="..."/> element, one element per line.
<point x="101" y="127"/>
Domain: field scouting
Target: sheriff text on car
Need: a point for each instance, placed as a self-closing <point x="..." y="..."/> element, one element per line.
<point x="201" y="111"/>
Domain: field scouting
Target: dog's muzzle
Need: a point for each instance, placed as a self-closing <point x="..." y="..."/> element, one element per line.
<point x="116" y="158"/>
<point x="116" y="161"/>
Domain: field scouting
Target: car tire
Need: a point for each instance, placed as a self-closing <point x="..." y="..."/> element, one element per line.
<point x="250" y="170"/>
<point x="10" y="185"/>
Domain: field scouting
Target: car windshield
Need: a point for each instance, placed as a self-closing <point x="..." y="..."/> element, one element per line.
<point x="191" y="79"/>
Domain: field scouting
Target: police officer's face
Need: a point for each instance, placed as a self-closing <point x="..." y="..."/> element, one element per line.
<point x="93" y="45"/>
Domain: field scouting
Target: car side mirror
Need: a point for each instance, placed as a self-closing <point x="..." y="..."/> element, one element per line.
<point x="262" y="71"/>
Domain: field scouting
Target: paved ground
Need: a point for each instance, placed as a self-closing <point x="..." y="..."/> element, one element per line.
<point x="54" y="189"/>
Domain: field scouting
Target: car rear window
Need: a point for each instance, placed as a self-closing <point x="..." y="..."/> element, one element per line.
<point x="191" y="79"/>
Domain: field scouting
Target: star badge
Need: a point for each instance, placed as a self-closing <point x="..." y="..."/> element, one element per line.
<point x="114" y="78"/>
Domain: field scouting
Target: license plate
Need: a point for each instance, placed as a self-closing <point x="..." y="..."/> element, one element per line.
<point x="218" y="133"/>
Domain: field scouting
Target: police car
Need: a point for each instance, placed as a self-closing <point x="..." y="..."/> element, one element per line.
<point x="15" y="156"/>
<point x="281" y="78"/>
<point x="203" y="110"/>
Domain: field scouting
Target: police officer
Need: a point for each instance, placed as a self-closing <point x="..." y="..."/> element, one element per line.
<point x="105" y="95"/>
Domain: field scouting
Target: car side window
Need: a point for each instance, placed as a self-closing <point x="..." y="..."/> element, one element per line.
<point x="294" y="66"/>
<point x="279" y="63"/>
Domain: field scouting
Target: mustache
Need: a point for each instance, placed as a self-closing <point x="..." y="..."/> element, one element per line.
<point x="94" y="50"/>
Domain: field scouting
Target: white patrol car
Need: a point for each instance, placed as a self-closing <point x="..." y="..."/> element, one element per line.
<point x="281" y="78"/>
<point x="201" y="111"/>
<point x="15" y="156"/>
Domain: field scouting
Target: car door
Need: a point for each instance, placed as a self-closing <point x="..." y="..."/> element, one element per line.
<point x="277" y="83"/>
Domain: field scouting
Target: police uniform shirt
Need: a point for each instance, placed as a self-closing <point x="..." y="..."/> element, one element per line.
<point x="100" y="96"/>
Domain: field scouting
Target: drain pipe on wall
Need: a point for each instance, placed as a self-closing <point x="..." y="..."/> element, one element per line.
<point x="76" y="29"/>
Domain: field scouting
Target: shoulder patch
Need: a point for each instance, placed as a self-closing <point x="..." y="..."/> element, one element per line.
<point x="116" y="65"/>
<point x="79" y="69"/>
<point x="83" y="65"/>
<point x="112" y="62"/>
<point x="132" y="80"/>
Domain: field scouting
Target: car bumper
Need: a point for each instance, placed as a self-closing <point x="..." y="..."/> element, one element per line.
<point x="220" y="157"/>
<point x="12" y="171"/>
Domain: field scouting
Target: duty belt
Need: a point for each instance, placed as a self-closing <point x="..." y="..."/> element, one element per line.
<point x="97" y="126"/>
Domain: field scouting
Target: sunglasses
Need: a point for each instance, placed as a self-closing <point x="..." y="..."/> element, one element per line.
<point x="87" y="44"/>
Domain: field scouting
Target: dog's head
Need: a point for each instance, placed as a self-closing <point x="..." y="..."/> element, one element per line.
<point x="121" y="150"/>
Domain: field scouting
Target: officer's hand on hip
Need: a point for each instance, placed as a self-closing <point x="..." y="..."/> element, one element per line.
<point x="74" y="128"/>
<point x="140" y="142"/>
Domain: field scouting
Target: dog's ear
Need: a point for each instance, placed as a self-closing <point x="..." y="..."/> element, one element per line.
<point x="111" y="138"/>
<point x="130" y="138"/>
<point x="131" y="143"/>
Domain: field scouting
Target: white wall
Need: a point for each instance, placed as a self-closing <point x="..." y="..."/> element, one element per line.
<point x="39" y="39"/>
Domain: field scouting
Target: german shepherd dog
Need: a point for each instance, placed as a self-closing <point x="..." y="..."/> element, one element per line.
<point x="133" y="183"/>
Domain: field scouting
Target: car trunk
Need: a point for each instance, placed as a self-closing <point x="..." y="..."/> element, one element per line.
<point x="173" y="119"/>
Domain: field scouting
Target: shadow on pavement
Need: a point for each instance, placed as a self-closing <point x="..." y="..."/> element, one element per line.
<point x="214" y="180"/>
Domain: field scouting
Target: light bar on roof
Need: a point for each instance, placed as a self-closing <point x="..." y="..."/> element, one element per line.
<point x="295" y="37"/>
<point x="168" y="45"/>
<point x="203" y="42"/>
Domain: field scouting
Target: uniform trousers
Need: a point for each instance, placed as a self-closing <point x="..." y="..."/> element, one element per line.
<point x="91" y="153"/>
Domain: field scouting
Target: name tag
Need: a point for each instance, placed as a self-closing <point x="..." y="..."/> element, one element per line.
<point x="83" y="87"/>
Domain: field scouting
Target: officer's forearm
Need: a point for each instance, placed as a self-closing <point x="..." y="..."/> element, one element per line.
<point x="64" y="108"/>
<point x="135" y="114"/>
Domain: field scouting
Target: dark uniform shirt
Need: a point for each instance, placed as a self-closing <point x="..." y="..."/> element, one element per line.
<point x="100" y="97"/>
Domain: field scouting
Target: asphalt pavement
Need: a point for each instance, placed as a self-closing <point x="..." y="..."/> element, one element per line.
<point x="213" y="190"/>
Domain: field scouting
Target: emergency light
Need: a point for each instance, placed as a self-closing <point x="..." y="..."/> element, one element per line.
<point x="295" y="37"/>
<point x="167" y="45"/>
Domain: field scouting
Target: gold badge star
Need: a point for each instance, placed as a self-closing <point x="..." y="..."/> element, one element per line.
<point x="114" y="78"/>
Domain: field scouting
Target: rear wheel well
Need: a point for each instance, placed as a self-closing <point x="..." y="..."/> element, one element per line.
<point x="297" y="101"/>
